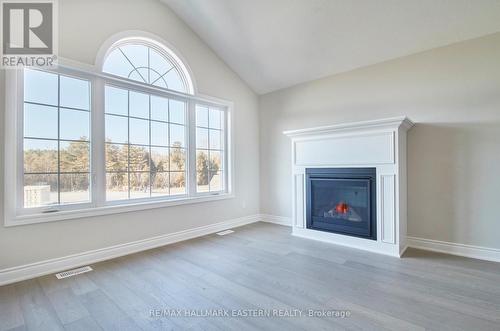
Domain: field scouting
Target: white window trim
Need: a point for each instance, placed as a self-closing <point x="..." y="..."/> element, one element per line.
<point x="161" y="45"/>
<point x="14" y="156"/>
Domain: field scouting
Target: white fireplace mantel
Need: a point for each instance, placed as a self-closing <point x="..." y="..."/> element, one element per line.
<point x="380" y="144"/>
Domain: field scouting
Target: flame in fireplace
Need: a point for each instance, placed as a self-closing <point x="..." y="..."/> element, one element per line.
<point x="342" y="208"/>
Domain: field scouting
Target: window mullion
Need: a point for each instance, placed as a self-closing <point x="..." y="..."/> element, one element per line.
<point x="19" y="132"/>
<point x="191" y="124"/>
<point x="149" y="147"/>
<point x="227" y="150"/>
<point x="98" y="150"/>
<point x="58" y="139"/>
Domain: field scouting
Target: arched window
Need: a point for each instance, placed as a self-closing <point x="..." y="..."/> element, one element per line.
<point x="148" y="62"/>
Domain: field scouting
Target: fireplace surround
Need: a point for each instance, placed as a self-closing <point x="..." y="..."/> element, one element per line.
<point x="376" y="147"/>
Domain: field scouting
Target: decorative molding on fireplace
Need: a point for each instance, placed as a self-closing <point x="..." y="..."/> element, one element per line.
<point x="354" y="149"/>
<point x="388" y="210"/>
<point x="379" y="144"/>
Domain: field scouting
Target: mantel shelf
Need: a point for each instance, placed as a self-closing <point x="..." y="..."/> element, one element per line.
<point x="395" y="122"/>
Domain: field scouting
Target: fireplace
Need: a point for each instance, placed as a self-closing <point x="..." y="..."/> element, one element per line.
<point x="342" y="200"/>
<point x="363" y="207"/>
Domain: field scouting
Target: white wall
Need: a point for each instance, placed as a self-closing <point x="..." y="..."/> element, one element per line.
<point x="452" y="93"/>
<point x="84" y="26"/>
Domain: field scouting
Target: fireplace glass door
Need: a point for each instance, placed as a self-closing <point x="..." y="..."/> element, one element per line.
<point x="342" y="201"/>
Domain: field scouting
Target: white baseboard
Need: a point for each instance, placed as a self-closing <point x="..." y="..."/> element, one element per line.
<point x="403" y="250"/>
<point x="476" y="252"/>
<point x="28" y="271"/>
<point x="280" y="220"/>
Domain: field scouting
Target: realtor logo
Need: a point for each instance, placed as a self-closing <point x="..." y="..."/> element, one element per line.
<point x="28" y="33"/>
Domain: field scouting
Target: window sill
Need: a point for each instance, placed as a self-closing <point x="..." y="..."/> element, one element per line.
<point x="110" y="210"/>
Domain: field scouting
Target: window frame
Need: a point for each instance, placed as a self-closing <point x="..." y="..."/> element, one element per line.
<point x="148" y="40"/>
<point x="170" y="56"/>
<point x="208" y="150"/>
<point x="19" y="142"/>
<point x="15" y="213"/>
<point x="113" y="83"/>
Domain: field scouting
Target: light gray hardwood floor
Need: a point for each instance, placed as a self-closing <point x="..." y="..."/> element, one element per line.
<point x="261" y="266"/>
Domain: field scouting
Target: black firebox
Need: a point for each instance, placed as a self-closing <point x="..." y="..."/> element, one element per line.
<point x="342" y="200"/>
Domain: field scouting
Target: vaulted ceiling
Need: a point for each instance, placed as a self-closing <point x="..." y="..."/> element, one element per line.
<point x="273" y="44"/>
